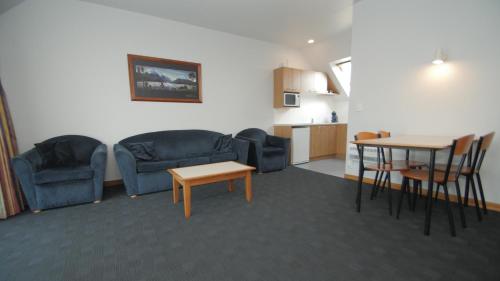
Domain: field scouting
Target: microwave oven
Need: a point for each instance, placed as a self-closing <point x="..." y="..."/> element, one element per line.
<point x="291" y="99"/>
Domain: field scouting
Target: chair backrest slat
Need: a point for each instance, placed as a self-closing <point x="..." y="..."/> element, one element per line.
<point x="463" y="145"/>
<point x="366" y="136"/>
<point x="487" y="139"/>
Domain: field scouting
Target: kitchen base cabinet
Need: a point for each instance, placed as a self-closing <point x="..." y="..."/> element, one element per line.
<point x="326" y="140"/>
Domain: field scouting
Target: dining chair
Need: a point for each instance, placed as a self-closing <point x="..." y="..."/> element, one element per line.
<point x="380" y="167"/>
<point x="407" y="162"/>
<point x="471" y="170"/>
<point x="459" y="149"/>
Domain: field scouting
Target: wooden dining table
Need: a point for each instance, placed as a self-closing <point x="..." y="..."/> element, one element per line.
<point x="407" y="142"/>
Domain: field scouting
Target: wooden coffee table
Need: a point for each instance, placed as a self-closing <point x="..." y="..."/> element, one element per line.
<point x="209" y="173"/>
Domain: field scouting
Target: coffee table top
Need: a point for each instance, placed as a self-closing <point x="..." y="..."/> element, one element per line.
<point x="207" y="170"/>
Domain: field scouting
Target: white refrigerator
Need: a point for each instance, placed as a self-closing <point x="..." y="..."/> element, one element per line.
<point x="300" y="144"/>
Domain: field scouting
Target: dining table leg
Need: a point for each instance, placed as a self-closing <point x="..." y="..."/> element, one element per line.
<point x="428" y="211"/>
<point x="360" y="178"/>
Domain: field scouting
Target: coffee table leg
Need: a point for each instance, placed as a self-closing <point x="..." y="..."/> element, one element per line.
<point x="248" y="186"/>
<point x="230" y="185"/>
<point x="175" y="193"/>
<point x="187" y="199"/>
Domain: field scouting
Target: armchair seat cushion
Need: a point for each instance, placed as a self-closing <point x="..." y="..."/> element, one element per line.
<point x="272" y="150"/>
<point x="156" y="166"/>
<point x="223" y="156"/>
<point x="63" y="174"/>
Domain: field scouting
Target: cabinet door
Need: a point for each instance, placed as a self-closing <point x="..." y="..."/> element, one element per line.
<point x="320" y="82"/>
<point x="287" y="79"/>
<point x="307" y="83"/>
<point x="315" y="141"/>
<point x="331" y="139"/>
<point x="341" y="140"/>
<point x="296" y="80"/>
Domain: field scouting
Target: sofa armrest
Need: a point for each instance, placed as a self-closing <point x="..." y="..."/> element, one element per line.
<point x="24" y="168"/>
<point x="128" y="168"/>
<point x="98" y="164"/>
<point x="254" y="152"/>
<point x="240" y="147"/>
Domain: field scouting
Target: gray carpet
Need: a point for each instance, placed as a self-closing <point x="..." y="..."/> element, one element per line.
<point x="301" y="225"/>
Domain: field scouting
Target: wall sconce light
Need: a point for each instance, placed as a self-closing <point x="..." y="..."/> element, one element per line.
<point x="439" y="57"/>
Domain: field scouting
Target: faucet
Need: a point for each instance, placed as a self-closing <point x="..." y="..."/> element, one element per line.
<point x="312" y="120"/>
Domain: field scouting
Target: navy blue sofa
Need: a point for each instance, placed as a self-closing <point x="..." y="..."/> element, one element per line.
<point x="266" y="153"/>
<point x="46" y="188"/>
<point x="176" y="148"/>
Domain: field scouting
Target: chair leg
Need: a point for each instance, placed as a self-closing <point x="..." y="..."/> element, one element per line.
<point x="466" y="193"/>
<point x="437" y="192"/>
<point x="384" y="183"/>
<point x="460" y="206"/>
<point x="420" y="189"/>
<point x="374" y="187"/>
<point x="379" y="181"/>
<point x="448" y="208"/>
<point x="389" y="194"/>
<point x="476" y="203"/>
<point x="403" y="189"/>
<point x="480" y="185"/>
<point x="415" y="194"/>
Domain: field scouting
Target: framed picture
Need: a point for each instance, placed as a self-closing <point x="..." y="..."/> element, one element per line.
<point x="156" y="79"/>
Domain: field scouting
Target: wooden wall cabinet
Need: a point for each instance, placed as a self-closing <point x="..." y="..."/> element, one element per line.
<point x="286" y="79"/>
<point x="314" y="82"/>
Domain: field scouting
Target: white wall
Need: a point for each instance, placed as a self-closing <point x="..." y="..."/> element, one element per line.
<point x="64" y="68"/>
<point x="400" y="90"/>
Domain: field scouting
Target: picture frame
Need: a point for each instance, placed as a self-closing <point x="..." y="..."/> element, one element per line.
<point x="164" y="80"/>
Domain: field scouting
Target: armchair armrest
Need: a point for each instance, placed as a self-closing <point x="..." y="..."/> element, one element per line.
<point x="128" y="168"/>
<point x="254" y="152"/>
<point x="280" y="142"/>
<point x="277" y="141"/>
<point x="98" y="164"/>
<point x="25" y="165"/>
<point x="241" y="146"/>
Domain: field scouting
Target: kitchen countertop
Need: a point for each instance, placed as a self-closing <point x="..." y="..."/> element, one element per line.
<point x="309" y="124"/>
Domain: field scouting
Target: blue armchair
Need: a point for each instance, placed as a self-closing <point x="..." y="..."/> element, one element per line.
<point x="46" y="188"/>
<point x="266" y="153"/>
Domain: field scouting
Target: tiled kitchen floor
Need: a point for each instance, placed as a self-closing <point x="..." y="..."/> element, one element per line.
<point x="334" y="167"/>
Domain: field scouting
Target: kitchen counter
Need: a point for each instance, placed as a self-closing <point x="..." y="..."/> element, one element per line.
<point x="308" y="124"/>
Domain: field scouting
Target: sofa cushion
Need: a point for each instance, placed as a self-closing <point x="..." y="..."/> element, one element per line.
<point x="221" y="157"/>
<point x="64" y="154"/>
<point x="193" y="161"/>
<point x="143" y="151"/>
<point x="225" y="143"/>
<point x="63" y="174"/>
<point x="155" y="166"/>
<point x="46" y="152"/>
<point x="272" y="150"/>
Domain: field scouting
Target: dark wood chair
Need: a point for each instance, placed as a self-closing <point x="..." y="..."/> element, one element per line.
<point x="473" y="167"/>
<point x="459" y="149"/>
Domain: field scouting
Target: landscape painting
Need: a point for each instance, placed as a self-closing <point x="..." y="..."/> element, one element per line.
<point x="156" y="79"/>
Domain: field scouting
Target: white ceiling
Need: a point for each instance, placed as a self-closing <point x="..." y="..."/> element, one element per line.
<point x="286" y="22"/>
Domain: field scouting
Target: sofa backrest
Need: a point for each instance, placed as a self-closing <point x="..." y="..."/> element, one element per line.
<point x="179" y="144"/>
<point x="82" y="146"/>
<point x="254" y="133"/>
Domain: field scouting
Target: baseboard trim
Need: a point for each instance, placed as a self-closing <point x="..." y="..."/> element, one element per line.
<point x="491" y="206"/>
<point x="113" y="183"/>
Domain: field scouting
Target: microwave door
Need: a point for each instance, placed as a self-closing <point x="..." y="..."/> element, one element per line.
<point x="291" y="100"/>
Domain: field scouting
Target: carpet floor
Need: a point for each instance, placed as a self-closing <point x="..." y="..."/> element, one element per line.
<point x="301" y="225"/>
